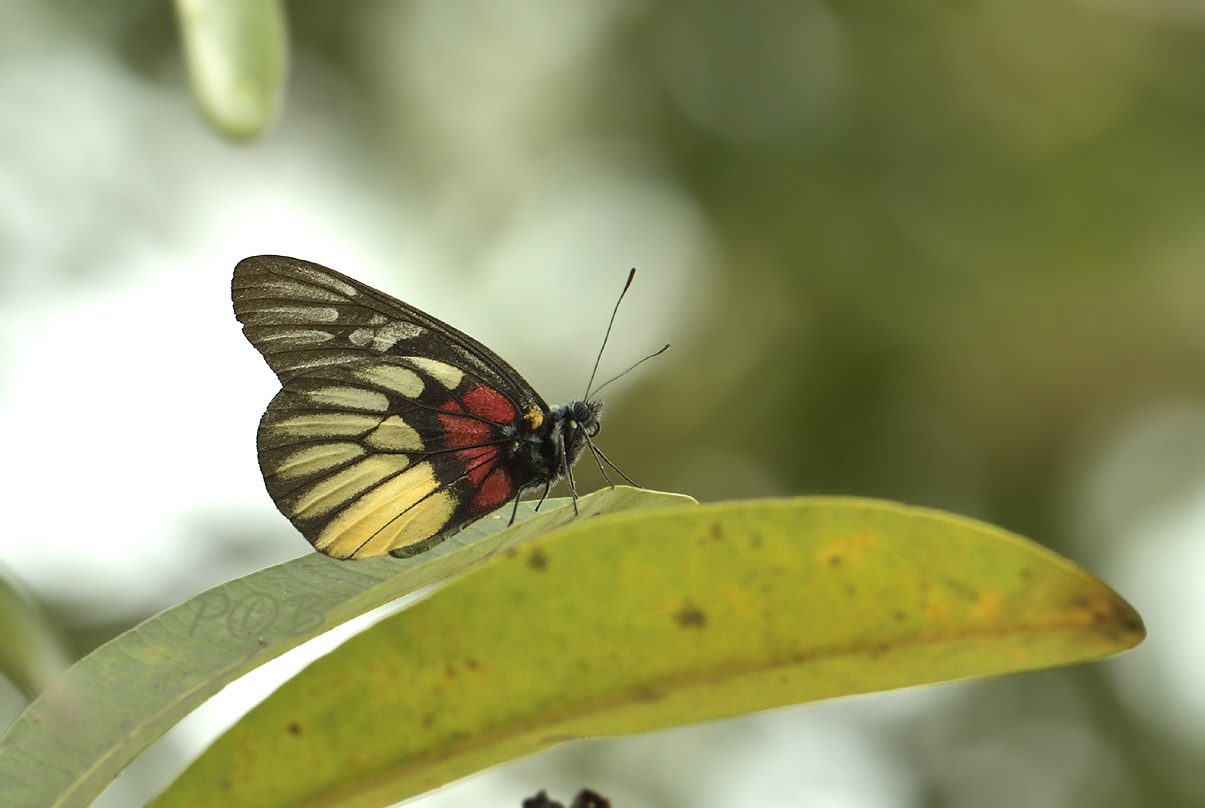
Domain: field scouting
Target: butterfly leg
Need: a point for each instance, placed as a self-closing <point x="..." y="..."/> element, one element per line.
<point x="568" y="472"/>
<point x="515" y="511"/>
<point x="544" y="496"/>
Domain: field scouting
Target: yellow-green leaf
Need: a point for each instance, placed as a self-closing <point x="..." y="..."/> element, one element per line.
<point x="632" y="622"/>
<point x="70" y="743"/>
<point x="237" y="52"/>
<point x="33" y="650"/>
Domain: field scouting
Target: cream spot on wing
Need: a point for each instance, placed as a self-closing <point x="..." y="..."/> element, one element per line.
<point x="300" y="315"/>
<point x="325" y="424"/>
<point x="349" y="398"/>
<point x="398" y="509"/>
<point x="344" y="486"/>
<point x="322" y="279"/>
<point x="394" y="435"/>
<point x="393" y="377"/>
<point x="316" y="459"/>
<point x="422" y="521"/>
<point x="386" y="336"/>
<point x="289" y="289"/>
<point x="391" y="334"/>
<point x="442" y="372"/>
<point x="297" y="336"/>
<point x="291" y="362"/>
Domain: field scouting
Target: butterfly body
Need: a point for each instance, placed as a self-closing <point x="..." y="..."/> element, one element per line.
<point x="392" y="429"/>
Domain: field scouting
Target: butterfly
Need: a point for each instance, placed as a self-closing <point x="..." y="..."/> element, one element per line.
<point x="393" y="429"/>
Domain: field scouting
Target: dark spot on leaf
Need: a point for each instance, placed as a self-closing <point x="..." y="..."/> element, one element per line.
<point x="879" y="650"/>
<point x="472" y="664"/>
<point x="428" y="719"/>
<point x="835" y="560"/>
<point x="755" y="540"/>
<point x="717" y="531"/>
<point x="295" y="728"/>
<point x="900" y="616"/>
<point x="961" y="590"/>
<point x="225" y="784"/>
<point x="449" y="671"/>
<point x="691" y="617"/>
<point x="538" y="560"/>
<point x="1112" y="612"/>
<point x="1131" y="621"/>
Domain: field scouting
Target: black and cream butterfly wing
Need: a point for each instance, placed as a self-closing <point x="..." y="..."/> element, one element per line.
<point x="391" y="427"/>
<point x="303" y="316"/>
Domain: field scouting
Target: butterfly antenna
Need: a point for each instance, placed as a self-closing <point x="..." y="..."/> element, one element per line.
<point x="594" y="454"/>
<point x="607" y="336"/>
<point x="657" y="352"/>
<point x="599" y="453"/>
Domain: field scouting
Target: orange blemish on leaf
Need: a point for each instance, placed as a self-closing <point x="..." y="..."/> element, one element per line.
<point x="987" y="606"/>
<point x="847" y="549"/>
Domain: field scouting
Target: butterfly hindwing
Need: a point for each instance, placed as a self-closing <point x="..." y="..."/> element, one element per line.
<point x="375" y="455"/>
<point x="391" y="427"/>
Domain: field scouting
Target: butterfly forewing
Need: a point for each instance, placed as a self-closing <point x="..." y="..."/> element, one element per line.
<point x="391" y="427"/>
<point x="303" y="316"/>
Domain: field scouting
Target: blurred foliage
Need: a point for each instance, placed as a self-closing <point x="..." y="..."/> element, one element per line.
<point x="673" y="616"/>
<point x="236" y="53"/>
<point x="954" y="256"/>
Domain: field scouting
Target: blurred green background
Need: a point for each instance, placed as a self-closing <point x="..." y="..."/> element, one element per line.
<point x="946" y="253"/>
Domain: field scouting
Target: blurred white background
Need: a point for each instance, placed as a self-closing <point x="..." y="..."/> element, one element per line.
<point x="804" y="200"/>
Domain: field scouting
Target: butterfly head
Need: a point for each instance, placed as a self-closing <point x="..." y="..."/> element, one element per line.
<point x="578" y="421"/>
<point x="584" y="416"/>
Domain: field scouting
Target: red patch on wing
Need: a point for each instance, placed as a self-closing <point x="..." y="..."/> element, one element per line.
<point x="496" y="489"/>
<point x="466" y="426"/>
<point x="478" y="461"/>
<point x="460" y="430"/>
<point x="488" y="403"/>
<point x="491" y="483"/>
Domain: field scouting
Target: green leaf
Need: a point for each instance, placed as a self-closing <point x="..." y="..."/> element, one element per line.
<point x="70" y="743"/>
<point x="632" y="622"/>
<point x="32" y="649"/>
<point x="237" y="52"/>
